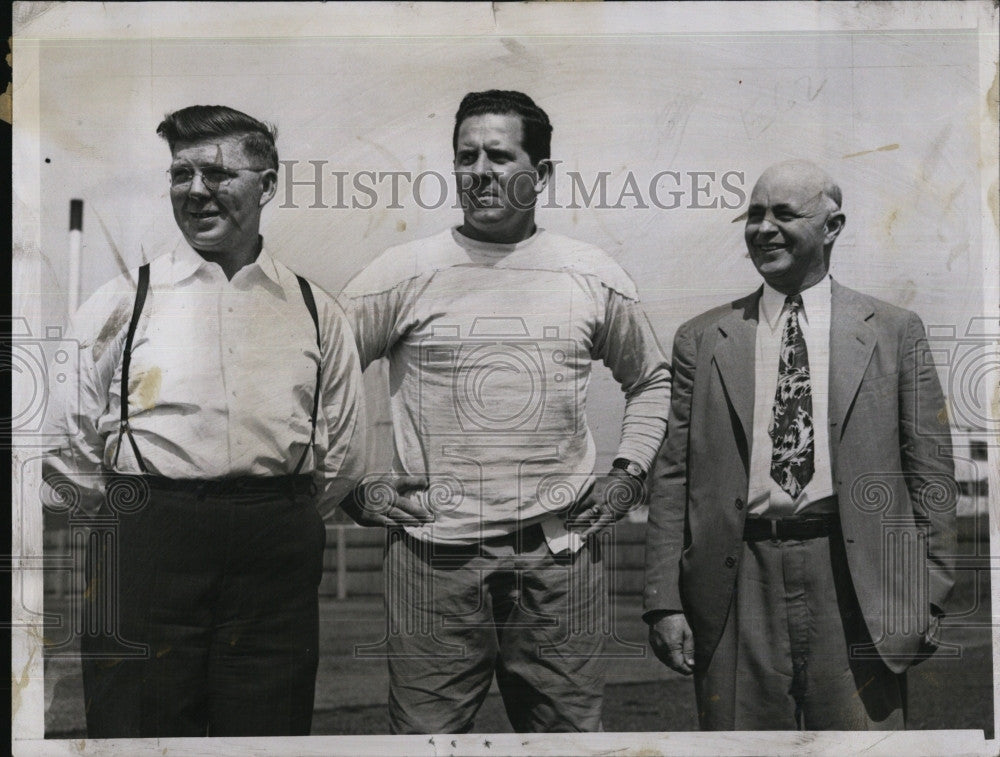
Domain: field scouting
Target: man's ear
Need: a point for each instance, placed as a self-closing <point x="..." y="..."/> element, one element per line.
<point x="269" y="186"/>
<point x="544" y="169"/>
<point x="834" y="225"/>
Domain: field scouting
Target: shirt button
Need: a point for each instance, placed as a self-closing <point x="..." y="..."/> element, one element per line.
<point x="730" y="561"/>
<point x="230" y="310"/>
<point x="738" y="503"/>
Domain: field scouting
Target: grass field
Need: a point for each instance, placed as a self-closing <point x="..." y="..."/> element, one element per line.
<point x="946" y="692"/>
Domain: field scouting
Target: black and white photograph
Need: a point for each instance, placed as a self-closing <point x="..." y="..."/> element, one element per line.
<point x="505" y="378"/>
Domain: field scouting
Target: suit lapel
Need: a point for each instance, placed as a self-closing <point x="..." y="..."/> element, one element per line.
<point x="852" y="341"/>
<point x="734" y="356"/>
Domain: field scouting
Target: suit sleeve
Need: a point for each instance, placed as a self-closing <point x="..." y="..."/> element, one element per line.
<point x="925" y="448"/>
<point x="665" y="530"/>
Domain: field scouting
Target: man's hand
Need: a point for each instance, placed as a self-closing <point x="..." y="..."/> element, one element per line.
<point x="382" y="501"/>
<point x="607" y="501"/>
<point x="672" y="642"/>
<point x="931" y="639"/>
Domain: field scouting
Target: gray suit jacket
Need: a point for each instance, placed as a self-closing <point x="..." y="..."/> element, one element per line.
<point x="890" y="448"/>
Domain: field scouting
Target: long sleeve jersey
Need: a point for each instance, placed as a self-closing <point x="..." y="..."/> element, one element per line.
<point x="490" y="348"/>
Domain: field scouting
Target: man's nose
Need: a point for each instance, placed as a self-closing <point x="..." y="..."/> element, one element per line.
<point x="198" y="187"/>
<point x="482" y="166"/>
<point x="767" y="224"/>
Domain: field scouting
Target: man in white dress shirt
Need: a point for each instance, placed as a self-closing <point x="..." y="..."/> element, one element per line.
<point x="220" y="414"/>
<point x="800" y="548"/>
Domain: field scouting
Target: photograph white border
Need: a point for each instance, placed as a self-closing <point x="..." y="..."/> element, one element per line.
<point x="37" y="23"/>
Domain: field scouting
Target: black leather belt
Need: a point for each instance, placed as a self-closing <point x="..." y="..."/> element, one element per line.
<point x="804" y="527"/>
<point x="300" y="484"/>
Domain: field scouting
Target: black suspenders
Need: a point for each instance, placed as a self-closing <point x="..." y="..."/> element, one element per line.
<point x="142" y="288"/>
<point x="307" y="295"/>
<point x="123" y="428"/>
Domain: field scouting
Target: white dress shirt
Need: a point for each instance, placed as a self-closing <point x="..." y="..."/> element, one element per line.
<point x="222" y="379"/>
<point x="766" y="498"/>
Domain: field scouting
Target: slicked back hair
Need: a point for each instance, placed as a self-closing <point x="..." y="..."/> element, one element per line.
<point x="199" y="122"/>
<point x="536" y="138"/>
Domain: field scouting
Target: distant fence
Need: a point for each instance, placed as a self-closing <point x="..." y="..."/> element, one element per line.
<point x="352" y="561"/>
<point x="352" y="564"/>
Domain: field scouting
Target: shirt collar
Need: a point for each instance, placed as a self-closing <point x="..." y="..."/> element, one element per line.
<point x="772" y="302"/>
<point x="186" y="261"/>
<point x="492" y="249"/>
<point x="267" y="266"/>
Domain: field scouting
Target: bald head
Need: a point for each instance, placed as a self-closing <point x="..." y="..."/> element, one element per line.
<point x="792" y="222"/>
<point x="807" y="175"/>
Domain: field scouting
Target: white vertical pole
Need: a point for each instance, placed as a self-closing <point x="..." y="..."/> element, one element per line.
<point x="75" y="242"/>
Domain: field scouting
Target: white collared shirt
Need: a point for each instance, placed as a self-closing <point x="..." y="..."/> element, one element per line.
<point x="766" y="498"/>
<point x="222" y="379"/>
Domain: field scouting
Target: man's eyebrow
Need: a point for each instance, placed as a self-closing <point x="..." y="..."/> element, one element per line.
<point x="194" y="164"/>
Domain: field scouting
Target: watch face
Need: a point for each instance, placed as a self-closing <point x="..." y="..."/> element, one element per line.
<point x="629" y="466"/>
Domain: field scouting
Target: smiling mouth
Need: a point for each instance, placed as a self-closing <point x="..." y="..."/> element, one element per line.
<point x="770" y="247"/>
<point x="205" y="214"/>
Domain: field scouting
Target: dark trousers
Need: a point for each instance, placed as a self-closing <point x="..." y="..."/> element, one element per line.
<point x="220" y="587"/>
<point x="783" y="662"/>
<point x="506" y="606"/>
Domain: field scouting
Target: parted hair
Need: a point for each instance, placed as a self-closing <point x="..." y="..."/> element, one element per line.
<point x="536" y="130"/>
<point x="198" y="122"/>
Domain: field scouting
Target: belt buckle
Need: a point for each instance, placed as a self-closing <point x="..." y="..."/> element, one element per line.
<point x="774" y="530"/>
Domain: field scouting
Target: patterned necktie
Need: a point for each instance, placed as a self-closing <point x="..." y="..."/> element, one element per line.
<point x="791" y="428"/>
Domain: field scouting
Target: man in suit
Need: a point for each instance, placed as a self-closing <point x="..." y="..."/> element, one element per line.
<point x="801" y="526"/>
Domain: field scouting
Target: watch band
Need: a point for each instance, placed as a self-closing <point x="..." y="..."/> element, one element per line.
<point x="629" y="466"/>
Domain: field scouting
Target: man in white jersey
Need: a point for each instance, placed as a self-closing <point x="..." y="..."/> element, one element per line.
<point x="219" y="411"/>
<point x="490" y="329"/>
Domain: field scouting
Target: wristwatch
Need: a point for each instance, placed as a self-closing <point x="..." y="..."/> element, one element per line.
<point x="629" y="466"/>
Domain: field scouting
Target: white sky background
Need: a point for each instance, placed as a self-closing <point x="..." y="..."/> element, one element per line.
<point x="682" y="102"/>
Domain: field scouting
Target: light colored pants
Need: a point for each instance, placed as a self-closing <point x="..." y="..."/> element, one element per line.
<point x="783" y="661"/>
<point x="505" y="606"/>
